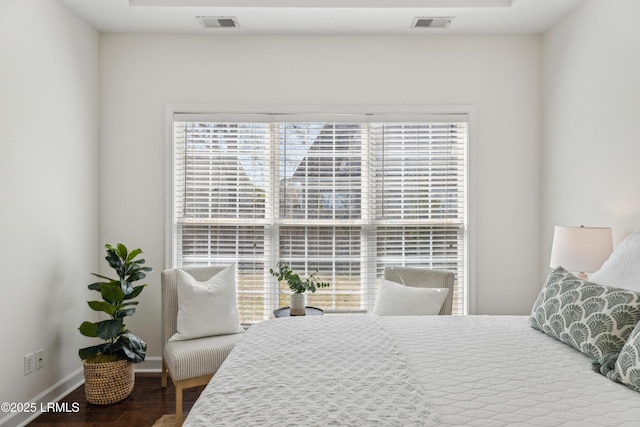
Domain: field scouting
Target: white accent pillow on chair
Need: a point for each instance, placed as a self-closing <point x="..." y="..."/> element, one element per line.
<point x="207" y="308"/>
<point x="395" y="299"/>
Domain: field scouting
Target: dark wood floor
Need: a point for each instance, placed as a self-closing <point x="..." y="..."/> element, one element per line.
<point x="147" y="403"/>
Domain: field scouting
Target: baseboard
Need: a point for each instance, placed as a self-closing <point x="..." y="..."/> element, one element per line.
<point x="150" y="364"/>
<point x="52" y="394"/>
<point x="65" y="386"/>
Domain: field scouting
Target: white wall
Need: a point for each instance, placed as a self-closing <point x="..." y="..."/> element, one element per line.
<point x="48" y="191"/>
<point x="499" y="75"/>
<point x="591" y="120"/>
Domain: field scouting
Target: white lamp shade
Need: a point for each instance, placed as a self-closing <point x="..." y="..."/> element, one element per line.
<point x="582" y="249"/>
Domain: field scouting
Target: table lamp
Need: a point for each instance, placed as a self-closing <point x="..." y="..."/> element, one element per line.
<point x="580" y="249"/>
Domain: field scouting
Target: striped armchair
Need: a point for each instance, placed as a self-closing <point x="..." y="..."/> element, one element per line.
<point x="190" y="363"/>
<point x="424" y="278"/>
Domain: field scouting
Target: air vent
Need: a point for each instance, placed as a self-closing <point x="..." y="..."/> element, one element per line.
<point x="432" y="22"/>
<point x="218" y="21"/>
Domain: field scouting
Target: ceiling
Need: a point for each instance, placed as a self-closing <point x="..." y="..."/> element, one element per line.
<point x="323" y="16"/>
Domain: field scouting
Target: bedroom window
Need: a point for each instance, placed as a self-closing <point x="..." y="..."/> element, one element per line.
<point x="343" y="195"/>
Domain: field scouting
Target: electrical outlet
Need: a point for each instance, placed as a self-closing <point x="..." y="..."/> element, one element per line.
<point x="29" y="363"/>
<point x="39" y="358"/>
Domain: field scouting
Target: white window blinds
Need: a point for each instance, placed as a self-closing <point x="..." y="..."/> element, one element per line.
<point x="341" y="197"/>
<point x="419" y="201"/>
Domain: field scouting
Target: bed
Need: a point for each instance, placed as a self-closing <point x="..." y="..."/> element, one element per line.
<point x="574" y="361"/>
<point x="430" y="370"/>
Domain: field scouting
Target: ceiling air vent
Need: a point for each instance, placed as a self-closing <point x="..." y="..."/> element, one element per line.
<point x="432" y="22"/>
<point x="218" y="21"/>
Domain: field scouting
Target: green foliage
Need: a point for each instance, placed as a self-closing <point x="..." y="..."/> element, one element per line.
<point x="117" y="295"/>
<point x="294" y="281"/>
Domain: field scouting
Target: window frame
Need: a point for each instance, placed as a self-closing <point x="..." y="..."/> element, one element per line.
<point x="326" y="113"/>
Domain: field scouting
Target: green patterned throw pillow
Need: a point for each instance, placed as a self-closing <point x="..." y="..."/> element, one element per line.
<point x="628" y="363"/>
<point x="595" y="319"/>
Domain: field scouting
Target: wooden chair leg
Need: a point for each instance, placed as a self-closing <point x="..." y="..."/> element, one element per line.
<point x="178" y="405"/>
<point x="164" y="375"/>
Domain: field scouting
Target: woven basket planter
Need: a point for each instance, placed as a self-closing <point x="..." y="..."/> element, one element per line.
<point x="109" y="382"/>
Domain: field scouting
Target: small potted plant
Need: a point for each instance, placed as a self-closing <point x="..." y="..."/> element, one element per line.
<point x="298" y="286"/>
<point x="108" y="367"/>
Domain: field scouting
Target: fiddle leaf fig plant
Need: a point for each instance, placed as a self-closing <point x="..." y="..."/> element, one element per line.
<point x="294" y="281"/>
<point x="117" y="302"/>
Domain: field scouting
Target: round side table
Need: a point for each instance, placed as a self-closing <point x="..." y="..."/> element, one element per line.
<point x="286" y="312"/>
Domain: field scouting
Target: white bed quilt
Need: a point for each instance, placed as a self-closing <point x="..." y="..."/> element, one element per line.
<point x="498" y="371"/>
<point x="314" y="372"/>
<point x="409" y="371"/>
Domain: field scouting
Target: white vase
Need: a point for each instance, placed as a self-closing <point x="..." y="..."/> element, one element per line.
<point x="297" y="304"/>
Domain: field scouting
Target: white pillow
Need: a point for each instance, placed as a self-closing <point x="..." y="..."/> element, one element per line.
<point x="207" y="308"/>
<point x="622" y="269"/>
<point x="395" y="299"/>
